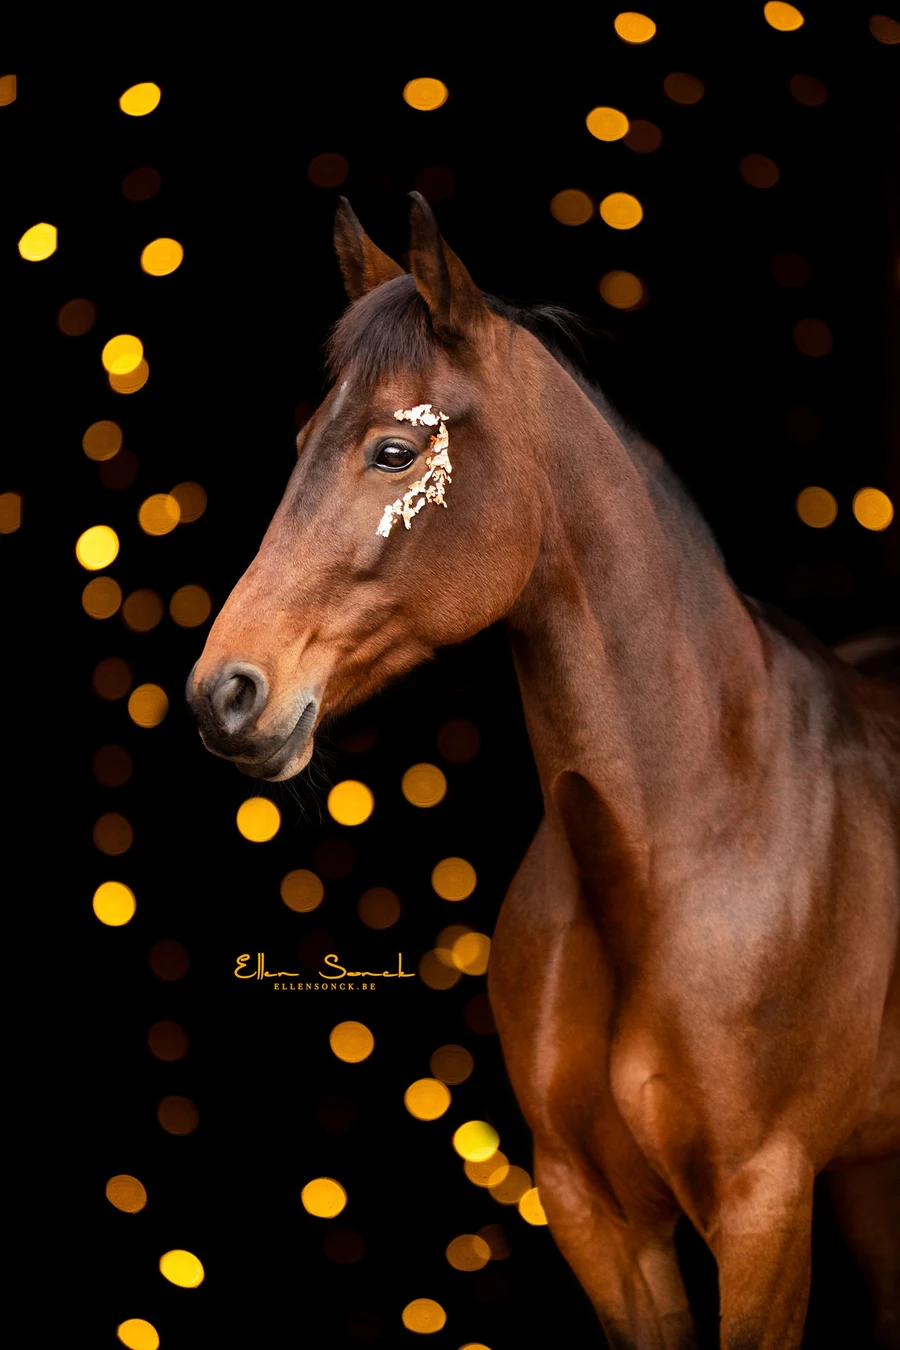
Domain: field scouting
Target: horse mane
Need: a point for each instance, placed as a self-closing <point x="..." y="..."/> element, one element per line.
<point x="388" y="330"/>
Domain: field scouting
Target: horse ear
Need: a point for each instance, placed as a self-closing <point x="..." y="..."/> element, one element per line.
<point x="454" y="301"/>
<point x="363" y="264"/>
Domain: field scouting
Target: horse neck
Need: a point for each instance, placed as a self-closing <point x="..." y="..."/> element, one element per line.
<point x="640" y="668"/>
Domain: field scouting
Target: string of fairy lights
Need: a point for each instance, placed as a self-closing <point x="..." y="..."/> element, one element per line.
<point x="459" y="951"/>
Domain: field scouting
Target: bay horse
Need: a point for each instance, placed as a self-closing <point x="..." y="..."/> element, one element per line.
<point x="694" y="973"/>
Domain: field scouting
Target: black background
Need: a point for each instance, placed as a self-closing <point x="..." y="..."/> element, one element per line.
<point x="707" y="371"/>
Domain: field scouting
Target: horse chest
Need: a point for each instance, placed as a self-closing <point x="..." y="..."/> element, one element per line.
<point x="558" y="1000"/>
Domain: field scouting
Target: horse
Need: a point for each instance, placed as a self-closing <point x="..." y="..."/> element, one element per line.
<point x="694" y="973"/>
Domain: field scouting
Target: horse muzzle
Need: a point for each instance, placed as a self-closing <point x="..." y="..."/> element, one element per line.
<point x="228" y="706"/>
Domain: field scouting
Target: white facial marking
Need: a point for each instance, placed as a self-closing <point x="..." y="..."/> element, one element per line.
<point x="433" y="484"/>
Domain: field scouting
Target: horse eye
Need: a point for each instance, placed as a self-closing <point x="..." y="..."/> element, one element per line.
<point x="394" y="457"/>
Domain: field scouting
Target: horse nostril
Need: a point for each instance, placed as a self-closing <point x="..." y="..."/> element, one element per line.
<point x="238" y="696"/>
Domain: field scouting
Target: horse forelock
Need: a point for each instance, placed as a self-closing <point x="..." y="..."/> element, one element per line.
<point x="383" y="333"/>
<point x="389" y="331"/>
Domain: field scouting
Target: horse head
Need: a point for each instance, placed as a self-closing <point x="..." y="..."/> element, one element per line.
<point x="411" y="520"/>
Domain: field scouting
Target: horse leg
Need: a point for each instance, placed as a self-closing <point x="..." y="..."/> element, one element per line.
<point x="866" y="1198"/>
<point x="627" y="1268"/>
<point x="760" y="1235"/>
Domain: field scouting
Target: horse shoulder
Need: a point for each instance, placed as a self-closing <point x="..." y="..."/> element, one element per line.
<point x="554" y="996"/>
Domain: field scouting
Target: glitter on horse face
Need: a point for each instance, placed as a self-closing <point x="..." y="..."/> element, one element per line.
<point x="433" y="484"/>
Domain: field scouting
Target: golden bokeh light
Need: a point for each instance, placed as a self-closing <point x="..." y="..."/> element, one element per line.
<point x="350" y="802"/>
<point x="101" y="597"/>
<point x="327" y="170"/>
<point x="112" y="834"/>
<point x="141" y="184"/>
<point x="621" y="211"/>
<point x="424" y="1315"/>
<point x="510" y="1189"/>
<point x="424" y="785"/>
<point x="443" y="945"/>
<point x="454" y="879"/>
<point x="114" y="903"/>
<point x="142" y="610"/>
<point x="452" y="1064"/>
<point x="817" y="507"/>
<point x="161" y="257"/>
<point x="148" y="705"/>
<point x="436" y="973"/>
<point x="178" y="1115"/>
<point x="633" y="27"/>
<point x="873" y="508"/>
<point x="571" y="207"/>
<point x="471" y="953"/>
<point x="97" y="547"/>
<point x="111" y="678"/>
<point x="8" y="90"/>
<point x="301" y="890"/>
<point x="494" y="1235"/>
<point x="76" y="317"/>
<point x="126" y="1193"/>
<point x="38" y="243"/>
<point x="112" y="766"/>
<point x="531" y="1209"/>
<point x="813" y="337"/>
<point x="122" y="354"/>
<point x="643" y="137"/>
<point x="809" y="91"/>
<point x="458" y="741"/>
<point x="683" y="88"/>
<point x="168" y="1041"/>
<point x="468" y="1252"/>
<point x="169" y="960"/>
<point x="621" y="290"/>
<point x="258" y="819"/>
<point x="351" y="1041"/>
<point x="131" y="382"/>
<point x="476" y="1140"/>
<point x="191" y="499"/>
<point x="140" y="99"/>
<point x="190" y="606"/>
<point x="102" y="440"/>
<point x="378" y="907"/>
<point x="884" y="29"/>
<point x="138" y="1334"/>
<point x="427" y="1098"/>
<point x="324" y="1197"/>
<point x="487" y="1172"/>
<point x="159" y="514"/>
<point x="786" y="18"/>
<point x="425" y="94"/>
<point x="607" y="124"/>
<point x="182" y="1268"/>
<point x="759" y="171"/>
<point x="10" y="512"/>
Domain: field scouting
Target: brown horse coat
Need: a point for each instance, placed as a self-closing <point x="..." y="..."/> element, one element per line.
<point x="694" y="973"/>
